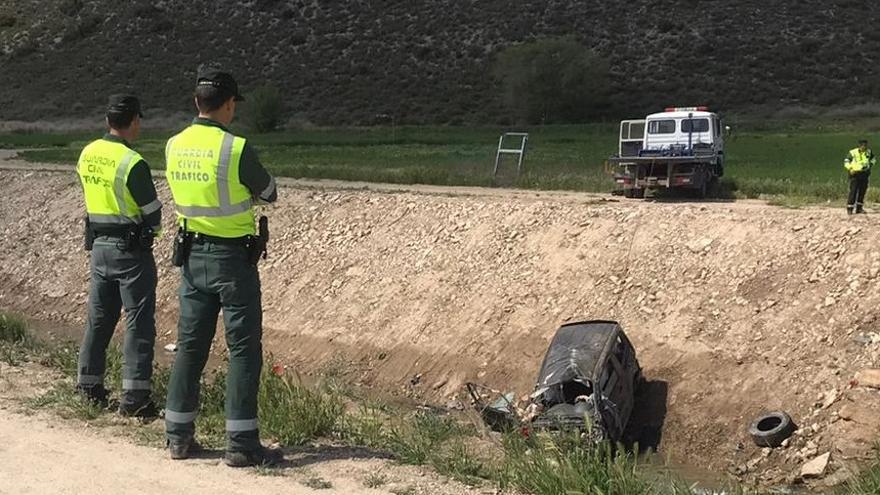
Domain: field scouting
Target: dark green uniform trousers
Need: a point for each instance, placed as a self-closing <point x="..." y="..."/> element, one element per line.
<point x="215" y="277"/>
<point x="120" y="279"/>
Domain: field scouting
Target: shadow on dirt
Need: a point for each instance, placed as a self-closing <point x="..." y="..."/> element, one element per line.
<point x="645" y="428"/>
<point x="304" y="456"/>
<point x="719" y="194"/>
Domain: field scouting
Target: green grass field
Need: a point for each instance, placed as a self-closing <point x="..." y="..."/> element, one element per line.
<point x="791" y="166"/>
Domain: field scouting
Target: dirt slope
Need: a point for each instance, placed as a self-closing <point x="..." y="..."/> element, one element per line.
<point x="734" y="308"/>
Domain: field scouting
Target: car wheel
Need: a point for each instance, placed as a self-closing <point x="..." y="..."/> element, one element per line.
<point x="771" y="429"/>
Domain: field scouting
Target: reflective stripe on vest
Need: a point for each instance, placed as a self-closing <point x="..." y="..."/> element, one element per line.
<point x="203" y="173"/>
<point x="103" y="169"/>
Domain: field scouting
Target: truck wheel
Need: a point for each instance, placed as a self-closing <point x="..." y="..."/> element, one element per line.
<point x="703" y="191"/>
<point x="635" y="193"/>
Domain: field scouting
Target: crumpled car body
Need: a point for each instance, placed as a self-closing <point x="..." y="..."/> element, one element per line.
<point x="587" y="381"/>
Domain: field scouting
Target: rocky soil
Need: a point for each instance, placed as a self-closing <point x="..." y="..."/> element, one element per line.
<point x="734" y="308"/>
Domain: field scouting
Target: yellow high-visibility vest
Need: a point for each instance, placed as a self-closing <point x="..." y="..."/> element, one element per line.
<point x="858" y="160"/>
<point x="202" y="170"/>
<point x="103" y="170"/>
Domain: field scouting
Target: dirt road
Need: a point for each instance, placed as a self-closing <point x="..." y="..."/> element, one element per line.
<point x="42" y="453"/>
<point x="735" y="308"/>
<point x="37" y="457"/>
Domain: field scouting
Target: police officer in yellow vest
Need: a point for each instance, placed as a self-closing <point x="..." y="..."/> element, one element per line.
<point x="858" y="163"/>
<point x="124" y="214"/>
<point x="216" y="178"/>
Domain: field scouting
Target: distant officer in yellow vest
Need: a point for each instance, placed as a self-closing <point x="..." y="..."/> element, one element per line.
<point x="216" y="178"/>
<point x="858" y="163"/>
<point x="124" y="215"/>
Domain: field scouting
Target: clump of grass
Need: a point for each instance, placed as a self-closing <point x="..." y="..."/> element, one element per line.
<point x="458" y="462"/>
<point x="211" y="420"/>
<point x="366" y="427"/>
<point x="62" y="358"/>
<point x="67" y="403"/>
<point x="403" y="490"/>
<point x="866" y="482"/>
<point x="417" y="440"/>
<point x="15" y="339"/>
<point x="423" y="438"/>
<point x="149" y="437"/>
<point x="292" y="413"/>
<point x="316" y="483"/>
<point x="63" y="397"/>
<point x="13" y="330"/>
<point x="375" y="480"/>
<point x="549" y="464"/>
<point x="268" y="471"/>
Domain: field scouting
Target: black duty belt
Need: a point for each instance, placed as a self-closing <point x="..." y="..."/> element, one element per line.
<point x="231" y="241"/>
<point x="118" y="232"/>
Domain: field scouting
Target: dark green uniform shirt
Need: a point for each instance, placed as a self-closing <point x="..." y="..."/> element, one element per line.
<point x="251" y="172"/>
<point x="140" y="185"/>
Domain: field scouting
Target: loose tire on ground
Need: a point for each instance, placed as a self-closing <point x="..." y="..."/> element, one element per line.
<point x="771" y="429"/>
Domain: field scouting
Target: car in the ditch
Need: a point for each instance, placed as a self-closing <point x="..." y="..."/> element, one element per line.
<point x="587" y="382"/>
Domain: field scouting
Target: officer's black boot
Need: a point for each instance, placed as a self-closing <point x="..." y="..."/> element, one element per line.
<point x="183" y="450"/>
<point x="146" y="410"/>
<point x="96" y="394"/>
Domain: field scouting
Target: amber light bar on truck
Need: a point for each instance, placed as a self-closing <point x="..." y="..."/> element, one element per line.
<point x="687" y="109"/>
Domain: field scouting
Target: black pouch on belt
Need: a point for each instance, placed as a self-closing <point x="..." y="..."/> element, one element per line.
<point x="146" y="236"/>
<point x="88" y="235"/>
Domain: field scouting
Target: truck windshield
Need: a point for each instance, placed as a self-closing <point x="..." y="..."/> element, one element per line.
<point x="695" y="125"/>
<point x="661" y="127"/>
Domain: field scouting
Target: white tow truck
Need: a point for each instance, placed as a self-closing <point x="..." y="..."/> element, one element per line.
<point x="680" y="148"/>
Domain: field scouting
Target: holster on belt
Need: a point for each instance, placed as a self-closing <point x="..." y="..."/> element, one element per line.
<point x="182" y="246"/>
<point x="88" y="234"/>
<point x="257" y="245"/>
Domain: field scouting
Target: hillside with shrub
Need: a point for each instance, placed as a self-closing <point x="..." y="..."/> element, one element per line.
<point x="420" y="61"/>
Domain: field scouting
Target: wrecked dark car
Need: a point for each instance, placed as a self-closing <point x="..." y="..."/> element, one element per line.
<point x="587" y="381"/>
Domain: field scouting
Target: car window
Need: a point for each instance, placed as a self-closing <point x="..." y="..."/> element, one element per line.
<point x="608" y="380"/>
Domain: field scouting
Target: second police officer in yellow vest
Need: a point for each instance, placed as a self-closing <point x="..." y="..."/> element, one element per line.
<point x="216" y="179"/>
<point x="858" y="163"/>
<point x="124" y="215"/>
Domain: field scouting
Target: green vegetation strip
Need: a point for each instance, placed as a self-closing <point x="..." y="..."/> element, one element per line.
<point x="295" y="414"/>
<point x="794" y="167"/>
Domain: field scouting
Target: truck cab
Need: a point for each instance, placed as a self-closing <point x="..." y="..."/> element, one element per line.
<point x="679" y="148"/>
<point x="692" y="130"/>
